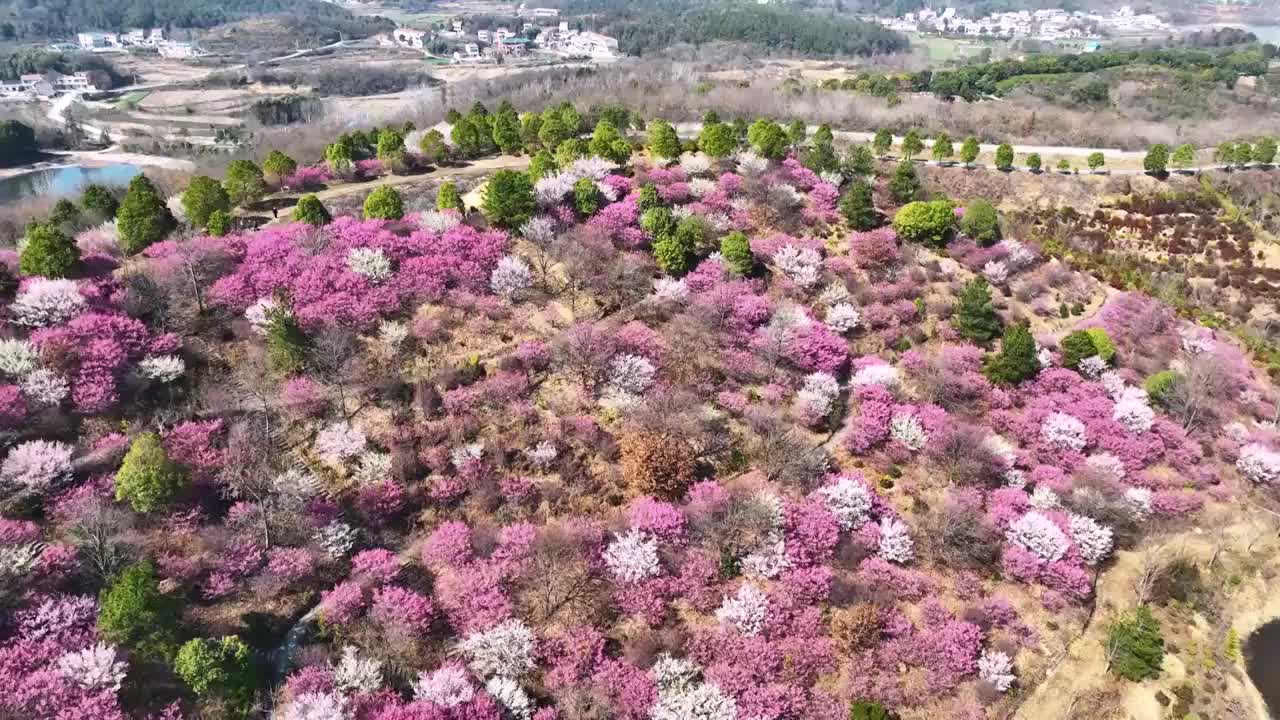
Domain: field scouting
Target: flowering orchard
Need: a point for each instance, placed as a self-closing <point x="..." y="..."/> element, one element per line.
<point x="644" y="440"/>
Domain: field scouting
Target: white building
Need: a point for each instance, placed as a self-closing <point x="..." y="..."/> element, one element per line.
<point x="538" y="12"/>
<point x="591" y="44"/>
<point x="98" y="41"/>
<point x="47" y="85"/>
<point x="483" y="36"/>
<point x="180" y="50"/>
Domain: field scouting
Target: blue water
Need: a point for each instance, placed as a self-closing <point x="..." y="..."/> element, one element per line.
<point x="63" y="181"/>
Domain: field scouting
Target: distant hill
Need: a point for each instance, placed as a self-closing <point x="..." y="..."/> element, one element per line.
<point x="46" y="19"/>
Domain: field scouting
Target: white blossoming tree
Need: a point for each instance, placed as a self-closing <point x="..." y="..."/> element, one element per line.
<point x="1038" y="535"/>
<point x="633" y="556"/>
<point x="505" y="650"/>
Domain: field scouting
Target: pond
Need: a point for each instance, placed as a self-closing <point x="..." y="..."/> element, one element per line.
<point x="62" y="181"/>
<point x="1262" y="657"/>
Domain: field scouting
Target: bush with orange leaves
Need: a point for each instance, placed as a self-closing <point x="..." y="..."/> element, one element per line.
<point x="855" y="627"/>
<point x="657" y="464"/>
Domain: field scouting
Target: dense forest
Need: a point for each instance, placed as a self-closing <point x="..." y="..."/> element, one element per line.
<point x="35" y="19"/>
<point x="646" y="27"/>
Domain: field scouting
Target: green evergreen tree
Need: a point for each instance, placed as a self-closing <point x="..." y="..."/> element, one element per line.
<point x="1157" y="160"/>
<point x="506" y="132"/>
<point x="1096" y="160"/>
<point x="384" y="203"/>
<point x="969" y="150"/>
<point x="133" y="612"/>
<point x="340" y="155"/>
<point x="976" y="317"/>
<point x="569" y="151"/>
<point x="649" y="198"/>
<point x="1033" y="162"/>
<point x="219" y="223"/>
<point x="311" y="211"/>
<point x="466" y="138"/>
<point x="277" y="166"/>
<point x="542" y="165"/>
<point x="859" y="162"/>
<point x="202" y="198"/>
<point x="1183" y="157"/>
<point x="1134" y="645"/>
<point x="99" y="201"/>
<point x="796" y="133"/>
<point x="768" y="139"/>
<point x="586" y="197"/>
<point x="552" y="132"/>
<point x="508" y="199"/>
<point x="65" y="214"/>
<point x="1018" y="359"/>
<point x="821" y="156"/>
<point x="244" y="183"/>
<point x="717" y="140"/>
<point x="1243" y="154"/>
<point x="143" y="218"/>
<point x="882" y="143"/>
<point x="608" y="143"/>
<point x="221" y="670"/>
<point x="912" y="145"/>
<point x="1076" y="347"/>
<point x="981" y="223"/>
<point x="48" y="252"/>
<point x="287" y="345"/>
<point x="905" y="187"/>
<point x="1004" y="157"/>
<point x="858" y="206"/>
<point x="447" y="197"/>
<point x="942" y="149"/>
<point x="1264" y="152"/>
<point x="433" y="147"/>
<point x="674" y="251"/>
<point x="658" y="222"/>
<point x="147" y="479"/>
<point x="736" y="251"/>
<point x="391" y="152"/>
<point x="663" y="143"/>
<point x="867" y="710"/>
<point x="926" y="222"/>
<point x="530" y="126"/>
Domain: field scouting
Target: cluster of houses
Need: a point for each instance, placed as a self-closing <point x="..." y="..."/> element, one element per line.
<point x="46" y="85"/>
<point x="1050" y="24"/>
<point x="105" y="42"/>
<point x="490" y="45"/>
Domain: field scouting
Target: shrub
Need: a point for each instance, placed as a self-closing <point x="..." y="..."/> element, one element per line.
<point x="136" y="614"/>
<point x="905" y="186"/>
<point x="447" y="197"/>
<point x="586" y="197"/>
<point x="219" y="223"/>
<point x="1017" y="360"/>
<point x="147" y="479"/>
<point x="221" y="669"/>
<point x="311" y="211"/>
<point x="1102" y="344"/>
<point x="384" y="203"/>
<point x="1134" y="645"/>
<point x="143" y="217"/>
<point x="858" y="206"/>
<point x="1159" y="385"/>
<point x="508" y="199"/>
<point x="928" y="223"/>
<point x="736" y="251"/>
<point x="657" y="464"/>
<point x="981" y="223"/>
<point x="1156" y="161"/>
<point x="867" y="710"/>
<point x="48" y="252"/>
<point x="99" y="201"/>
<point x="1077" y="346"/>
<point x="976" y="317"/>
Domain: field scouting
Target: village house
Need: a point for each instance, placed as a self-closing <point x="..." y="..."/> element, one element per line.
<point x="408" y="37"/>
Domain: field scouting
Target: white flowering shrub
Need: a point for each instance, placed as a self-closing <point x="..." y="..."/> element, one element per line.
<point x="701" y="187"/>
<point x="257" y="314"/>
<point x="372" y="468"/>
<point x="633" y="556"/>
<point x="370" y="263"/>
<point x="907" y="430"/>
<point x="1043" y="498"/>
<point x="1138" y="501"/>
<point x="539" y="229"/>
<point x="785" y="195"/>
<point x="1092" y="367"/>
<point x="542" y="454"/>
<point x="1000" y="447"/>
<point x="297" y="485"/>
<point x="1038" y="535"/>
<point x="1133" y="411"/>
<point x="356" y="674"/>
<point x="317" y="706"/>
<point x="510" y="278"/>
<point x="834" y="294"/>
<point x="996" y="668"/>
<point x="466" y="454"/>
<point x="45" y="388"/>
<point x="1015" y="478"/>
<point x="843" y="318"/>
<point x="1064" y="431"/>
<point x="36" y="464"/>
<point x="162" y="368"/>
<point x="769" y="560"/>
<point x="817" y="395"/>
<point x="695" y="164"/>
<point x="631" y="374"/>
<point x="592" y="166"/>
<point x="340" y="441"/>
<point x="439" y="221"/>
<point x="849" y="502"/>
<point x="1193" y="343"/>
<point x="607" y="191"/>
<point x="96" y="667"/>
<point x="504" y="650"/>
<point x="1018" y="256"/>
<point x="18" y="358"/>
<point x="447" y="687"/>
<point x="1113" y="383"/>
<point x="745" y="611"/>
<point x="832" y="177"/>
<point x="996" y="271"/>
<point x="392" y="334"/>
<point x="1259" y="464"/>
<point x="1108" y="464"/>
<point x="336" y="539"/>
<point x="882" y="374"/>
<point x="511" y="696"/>
<point x="673" y="674"/>
<point x="18" y="560"/>
<point x="701" y="701"/>
<point x="1044" y="356"/>
<point x="550" y="190"/>
<point x="47" y="302"/>
<point x="680" y="212"/>
<point x="896" y="544"/>
<point x="750" y="164"/>
<point x="667" y="289"/>
<point x="1093" y="538"/>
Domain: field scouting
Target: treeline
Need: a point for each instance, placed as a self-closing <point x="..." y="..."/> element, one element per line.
<point x="347" y="82"/>
<point x="24" y="19"/>
<point x="32" y="60"/>
<point x="644" y="28"/>
<point x="975" y="81"/>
